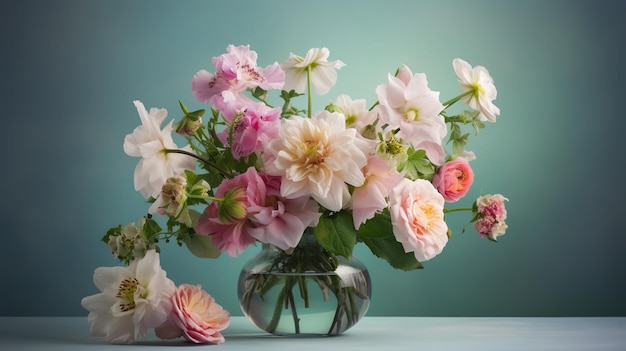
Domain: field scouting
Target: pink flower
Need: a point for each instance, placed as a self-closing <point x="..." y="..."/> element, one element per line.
<point x="269" y="218"/>
<point x="250" y="129"/>
<point x="231" y="236"/>
<point x="235" y="72"/>
<point x="491" y="214"/>
<point x="372" y="196"/>
<point x="407" y="103"/>
<point x="416" y="210"/>
<point x="454" y="179"/>
<point x="281" y="221"/>
<point x="196" y="316"/>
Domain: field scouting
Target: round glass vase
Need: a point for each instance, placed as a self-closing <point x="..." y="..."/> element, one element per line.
<point x="307" y="291"/>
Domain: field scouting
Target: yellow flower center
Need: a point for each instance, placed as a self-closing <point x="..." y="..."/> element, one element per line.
<point x="411" y="115"/>
<point x="126" y="292"/>
<point x="424" y="218"/>
<point x="312" y="153"/>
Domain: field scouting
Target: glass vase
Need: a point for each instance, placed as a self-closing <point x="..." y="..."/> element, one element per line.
<point x="306" y="291"/>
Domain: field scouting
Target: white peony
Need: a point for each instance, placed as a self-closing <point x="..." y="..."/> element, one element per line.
<point x="317" y="157"/>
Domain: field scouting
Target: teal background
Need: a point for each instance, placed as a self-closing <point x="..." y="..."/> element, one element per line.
<point x="71" y="69"/>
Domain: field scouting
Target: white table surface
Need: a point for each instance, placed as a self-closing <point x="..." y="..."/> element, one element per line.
<point x="371" y="333"/>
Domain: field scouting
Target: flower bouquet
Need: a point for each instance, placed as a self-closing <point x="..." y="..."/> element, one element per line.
<point x="258" y="168"/>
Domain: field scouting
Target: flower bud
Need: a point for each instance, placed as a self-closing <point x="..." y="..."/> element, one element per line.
<point x="233" y="207"/>
<point x="173" y="194"/>
<point x="188" y="126"/>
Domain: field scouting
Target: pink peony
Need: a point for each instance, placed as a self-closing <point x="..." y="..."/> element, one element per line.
<point x="372" y="196"/>
<point x="196" y="316"/>
<point x="454" y="179"/>
<point x="491" y="216"/>
<point x="416" y="210"/>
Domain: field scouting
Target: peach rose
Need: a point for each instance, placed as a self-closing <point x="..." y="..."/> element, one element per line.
<point x="416" y="210"/>
<point x="454" y="179"/>
<point x="196" y="316"/>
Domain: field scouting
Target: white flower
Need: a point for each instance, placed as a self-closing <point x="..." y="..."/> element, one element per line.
<point x="407" y="104"/>
<point x="356" y="112"/>
<point x="316" y="157"/>
<point x="323" y="74"/>
<point x="479" y="81"/>
<point x="149" y="142"/>
<point x="132" y="300"/>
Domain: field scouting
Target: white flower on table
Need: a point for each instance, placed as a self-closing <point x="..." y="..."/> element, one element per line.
<point x="132" y="300"/>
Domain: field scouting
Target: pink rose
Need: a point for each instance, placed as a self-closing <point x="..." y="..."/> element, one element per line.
<point x="454" y="179"/>
<point x="491" y="214"/>
<point x="416" y="210"/>
<point x="194" y="315"/>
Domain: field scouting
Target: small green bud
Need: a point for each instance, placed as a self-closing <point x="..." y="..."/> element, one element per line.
<point x="233" y="206"/>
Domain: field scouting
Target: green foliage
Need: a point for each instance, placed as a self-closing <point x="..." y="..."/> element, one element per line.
<point x="288" y="109"/>
<point x="201" y="246"/>
<point x="417" y="165"/>
<point x="336" y="233"/>
<point x="377" y="234"/>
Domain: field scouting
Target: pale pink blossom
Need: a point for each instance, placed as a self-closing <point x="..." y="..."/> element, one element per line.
<point x="196" y="316"/>
<point x="149" y="142"/>
<point x="132" y="300"/>
<point x="251" y="129"/>
<point x="278" y="220"/>
<point x="479" y="81"/>
<point x="407" y="104"/>
<point x="454" y="179"/>
<point x="323" y="74"/>
<point x="371" y="198"/>
<point x="317" y="157"/>
<point x="235" y="72"/>
<point x="491" y="216"/>
<point x="416" y="209"/>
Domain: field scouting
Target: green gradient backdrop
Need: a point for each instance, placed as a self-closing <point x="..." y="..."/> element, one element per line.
<point x="70" y="70"/>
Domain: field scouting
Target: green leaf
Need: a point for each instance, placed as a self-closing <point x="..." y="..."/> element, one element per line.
<point x="201" y="246"/>
<point x="336" y="233"/>
<point x="377" y="234"/>
<point x="389" y="249"/>
<point x="377" y="227"/>
<point x="417" y="165"/>
<point x="150" y="229"/>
